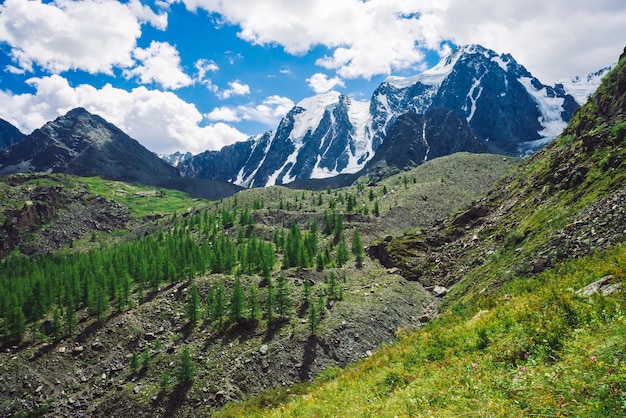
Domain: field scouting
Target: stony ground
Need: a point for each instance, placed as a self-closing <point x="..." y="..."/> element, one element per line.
<point x="91" y="375"/>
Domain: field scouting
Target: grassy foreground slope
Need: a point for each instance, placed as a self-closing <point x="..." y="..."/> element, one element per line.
<point x="517" y="336"/>
<point x="95" y="300"/>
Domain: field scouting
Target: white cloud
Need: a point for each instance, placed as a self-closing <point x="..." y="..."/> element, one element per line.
<point x="146" y="14"/>
<point x="90" y="35"/>
<point x="236" y="89"/>
<point x="320" y="83"/>
<point x="161" y="121"/>
<point x="551" y="38"/>
<point x="204" y="66"/>
<point x="161" y="65"/>
<point x="368" y="38"/>
<point x="224" y="114"/>
<point x="269" y="112"/>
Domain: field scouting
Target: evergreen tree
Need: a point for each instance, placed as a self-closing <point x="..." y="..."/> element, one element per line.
<point x="134" y="362"/>
<point x="165" y="382"/>
<point x="219" y="307"/>
<point x="313" y="318"/>
<point x="334" y="290"/>
<point x="237" y="300"/>
<point x="269" y="301"/>
<point x="16" y="321"/>
<point x="254" y="309"/>
<point x="371" y="195"/>
<point x="55" y="324"/>
<point x="210" y="303"/>
<point x="283" y="298"/>
<point x="342" y="255"/>
<point x="376" y="209"/>
<point x="186" y="368"/>
<point x="319" y="262"/>
<point x="70" y="315"/>
<point x="305" y="299"/>
<point x="193" y="304"/>
<point x="357" y="248"/>
<point x="145" y="359"/>
<point x="100" y="303"/>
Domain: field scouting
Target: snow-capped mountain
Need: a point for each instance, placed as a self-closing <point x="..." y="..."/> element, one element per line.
<point x="507" y="108"/>
<point x="582" y="87"/>
<point x="175" y="158"/>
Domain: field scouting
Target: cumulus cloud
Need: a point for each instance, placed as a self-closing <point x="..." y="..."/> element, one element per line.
<point x="552" y="39"/>
<point x="365" y="38"/>
<point x="204" y="66"/>
<point x="224" y="114"/>
<point x="320" y="83"/>
<point x="89" y="35"/>
<point x="160" y="63"/>
<point x="161" y="121"/>
<point x="236" y="89"/>
<point x="269" y="112"/>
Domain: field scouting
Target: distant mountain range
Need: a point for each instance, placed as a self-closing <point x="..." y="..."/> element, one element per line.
<point x="474" y="100"/>
<point x="508" y="110"/>
<point x="84" y="144"/>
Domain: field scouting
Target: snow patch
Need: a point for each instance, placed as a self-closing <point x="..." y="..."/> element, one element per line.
<point x="583" y="87"/>
<point x="474" y="98"/>
<point x="431" y="77"/>
<point x="549" y="107"/>
<point x="315" y="107"/>
<point x="498" y="60"/>
<point x="247" y="182"/>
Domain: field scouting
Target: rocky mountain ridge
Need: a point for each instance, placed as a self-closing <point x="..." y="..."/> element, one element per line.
<point x="507" y="108"/>
<point x="84" y="144"/>
<point x="9" y="135"/>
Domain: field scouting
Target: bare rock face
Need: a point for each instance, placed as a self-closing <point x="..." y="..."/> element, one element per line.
<point x="84" y="144"/>
<point x="66" y="213"/>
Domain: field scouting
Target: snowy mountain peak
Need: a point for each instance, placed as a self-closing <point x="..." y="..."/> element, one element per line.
<point x="312" y="110"/>
<point x="582" y="87"/>
<point x="499" y="100"/>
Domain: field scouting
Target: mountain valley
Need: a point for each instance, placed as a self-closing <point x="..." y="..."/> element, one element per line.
<point x="432" y="277"/>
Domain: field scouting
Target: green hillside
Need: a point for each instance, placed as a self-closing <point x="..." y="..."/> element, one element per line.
<point x="459" y="288"/>
<point x="101" y="277"/>
<point x="517" y="334"/>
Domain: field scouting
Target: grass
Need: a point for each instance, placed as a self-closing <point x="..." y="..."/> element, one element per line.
<point x="142" y="200"/>
<point x="538" y="351"/>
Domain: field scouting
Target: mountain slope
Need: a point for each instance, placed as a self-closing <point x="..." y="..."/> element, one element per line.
<point x="414" y="139"/>
<point x="163" y="256"/>
<point x="508" y="109"/>
<point x="9" y="135"/>
<point x="84" y="144"/>
<point x="522" y="331"/>
<point x="87" y="145"/>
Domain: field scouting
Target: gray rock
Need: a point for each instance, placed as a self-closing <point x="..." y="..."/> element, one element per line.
<point x="440" y="291"/>
<point x="599" y="286"/>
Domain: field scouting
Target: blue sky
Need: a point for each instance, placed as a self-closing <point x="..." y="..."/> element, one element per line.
<point x="192" y="75"/>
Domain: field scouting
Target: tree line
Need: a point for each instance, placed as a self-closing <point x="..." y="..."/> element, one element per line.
<point x="54" y="287"/>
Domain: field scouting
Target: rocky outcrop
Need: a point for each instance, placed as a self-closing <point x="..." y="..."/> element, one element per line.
<point x="414" y="139"/>
<point x="66" y="214"/>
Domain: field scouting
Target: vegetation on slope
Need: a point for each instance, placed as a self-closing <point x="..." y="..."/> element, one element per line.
<point x="274" y="271"/>
<point x="517" y="337"/>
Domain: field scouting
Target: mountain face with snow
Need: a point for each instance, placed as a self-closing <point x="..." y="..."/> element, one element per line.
<point x="175" y="158"/>
<point x="507" y="109"/>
